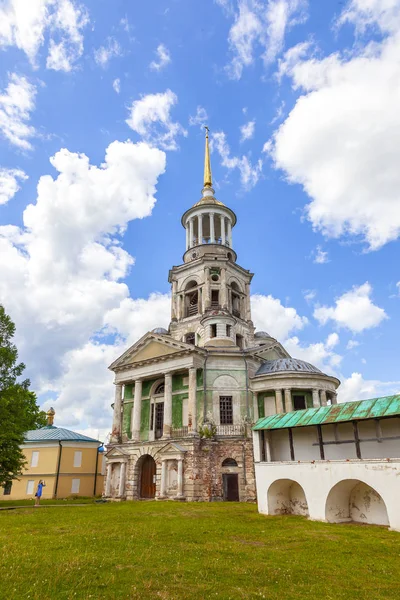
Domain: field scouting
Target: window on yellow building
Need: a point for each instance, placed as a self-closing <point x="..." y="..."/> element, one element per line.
<point x="7" y="488"/>
<point x="35" y="459"/>
<point x="75" y="486"/>
<point x="78" y="459"/>
<point x="29" y="486"/>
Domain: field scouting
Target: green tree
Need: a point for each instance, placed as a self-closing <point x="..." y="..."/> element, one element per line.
<point x="18" y="408"/>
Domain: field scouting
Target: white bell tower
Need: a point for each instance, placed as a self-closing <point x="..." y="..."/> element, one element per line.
<point x="210" y="292"/>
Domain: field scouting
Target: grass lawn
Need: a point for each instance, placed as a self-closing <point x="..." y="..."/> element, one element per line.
<point x="174" y="551"/>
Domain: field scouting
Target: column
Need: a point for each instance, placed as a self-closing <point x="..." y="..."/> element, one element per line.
<point x="255" y="407"/>
<point x="137" y="411"/>
<point x="288" y="400"/>
<point x="223" y="238"/>
<point x="180" y="478"/>
<point x="279" y="401"/>
<point x="174" y="301"/>
<point x="247" y="314"/>
<point x="163" y="487"/>
<point x="180" y="307"/>
<point x="224" y="289"/>
<point x="121" y="489"/>
<point x="334" y="397"/>
<point x="323" y="398"/>
<point x="207" y="289"/>
<point x="315" y="398"/>
<point x="268" y="454"/>
<point x="229" y="233"/>
<point x="187" y="236"/>
<point x="191" y="244"/>
<point x="212" y="231"/>
<point x="200" y="228"/>
<point x="192" y="404"/>
<point x="108" y="480"/>
<point x="167" y="427"/>
<point x="117" y="416"/>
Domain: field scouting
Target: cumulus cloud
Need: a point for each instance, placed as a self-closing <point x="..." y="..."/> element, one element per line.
<point x="320" y="354"/>
<point x="270" y="315"/>
<point x="64" y="268"/>
<point x="163" y="58"/>
<point x="341" y="139"/>
<point x="150" y="117"/>
<point x="27" y="26"/>
<point x="249" y="173"/>
<point x="200" y="118"/>
<point x="9" y="184"/>
<point x="353" y="310"/>
<point x="260" y="26"/>
<point x="16" y="105"/>
<point x="247" y="131"/>
<point x="105" y="53"/>
<point x="356" y="387"/>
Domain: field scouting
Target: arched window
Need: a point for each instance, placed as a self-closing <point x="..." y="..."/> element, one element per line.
<point x="159" y="389"/>
<point x="229" y="462"/>
<point x="190" y="338"/>
<point x="191" y="299"/>
<point x="235" y="299"/>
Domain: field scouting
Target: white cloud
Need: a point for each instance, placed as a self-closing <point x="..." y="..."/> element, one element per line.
<point x="63" y="269"/>
<point x="9" y="184"/>
<point x="352" y="344"/>
<point x="341" y="139"/>
<point x="105" y="53"/>
<point x="320" y="256"/>
<point x="332" y="340"/>
<point x="27" y="26"/>
<point x="356" y="387"/>
<point x="247" y="131"/>
<point x="163" y="58"/>
<point x="200" y="118"/>
<point x="16" y="104"/>
<point x="309" y="295"/>
<point x="354" y="310"/>
<point x="249" y="173"/>
<point x="270" y="315"/>
<point x="398" y="287"/>
<point x="150" y="117"/>
<point x="319" y="354"/>
<point x="117" y="85"/>
<point x="260" y="24"/>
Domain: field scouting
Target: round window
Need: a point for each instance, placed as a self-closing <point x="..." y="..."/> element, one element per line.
<point x="215" y="277"/>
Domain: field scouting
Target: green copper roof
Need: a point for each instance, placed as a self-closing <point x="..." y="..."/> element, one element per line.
<point x="375" y="408"/>
<point x="50" y="433"/>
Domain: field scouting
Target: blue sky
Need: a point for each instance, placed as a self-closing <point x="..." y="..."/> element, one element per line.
<point x="101" y="111"/>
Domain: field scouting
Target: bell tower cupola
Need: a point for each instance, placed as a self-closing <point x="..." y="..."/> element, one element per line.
<point x="209" y="222"/>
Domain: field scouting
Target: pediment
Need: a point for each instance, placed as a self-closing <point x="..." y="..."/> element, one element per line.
<point x="151" y="347"/>
<point x="116" y="453"/>
<point x="172" y="449"/>
<point x="271" y="352"/>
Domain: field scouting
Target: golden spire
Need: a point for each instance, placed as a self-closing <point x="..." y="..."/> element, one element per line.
<point x="207" y="163"/>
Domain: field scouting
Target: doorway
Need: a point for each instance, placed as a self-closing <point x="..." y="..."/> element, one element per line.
<point x="148" y="477"/>
<point x="231" y="487"/>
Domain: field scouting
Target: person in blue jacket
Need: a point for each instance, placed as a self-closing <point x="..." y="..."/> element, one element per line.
<point x="39" y="491"/>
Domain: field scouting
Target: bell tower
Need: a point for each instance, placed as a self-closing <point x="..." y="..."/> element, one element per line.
<point x="210" y="304"/>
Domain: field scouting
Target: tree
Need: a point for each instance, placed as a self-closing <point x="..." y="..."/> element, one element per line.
<point x="18" y="408"/>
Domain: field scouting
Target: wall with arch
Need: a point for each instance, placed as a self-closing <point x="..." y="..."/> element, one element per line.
<point x="364" y="491"/>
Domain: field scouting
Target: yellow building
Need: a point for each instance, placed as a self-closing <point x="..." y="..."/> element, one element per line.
<point x="71" y="464"/>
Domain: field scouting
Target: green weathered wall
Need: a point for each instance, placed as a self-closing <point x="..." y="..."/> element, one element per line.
<point x="128" y="392"/>
<point x="126" y="418"/>
<point x="177" y="401"/>
<point x="145" y="420"/>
